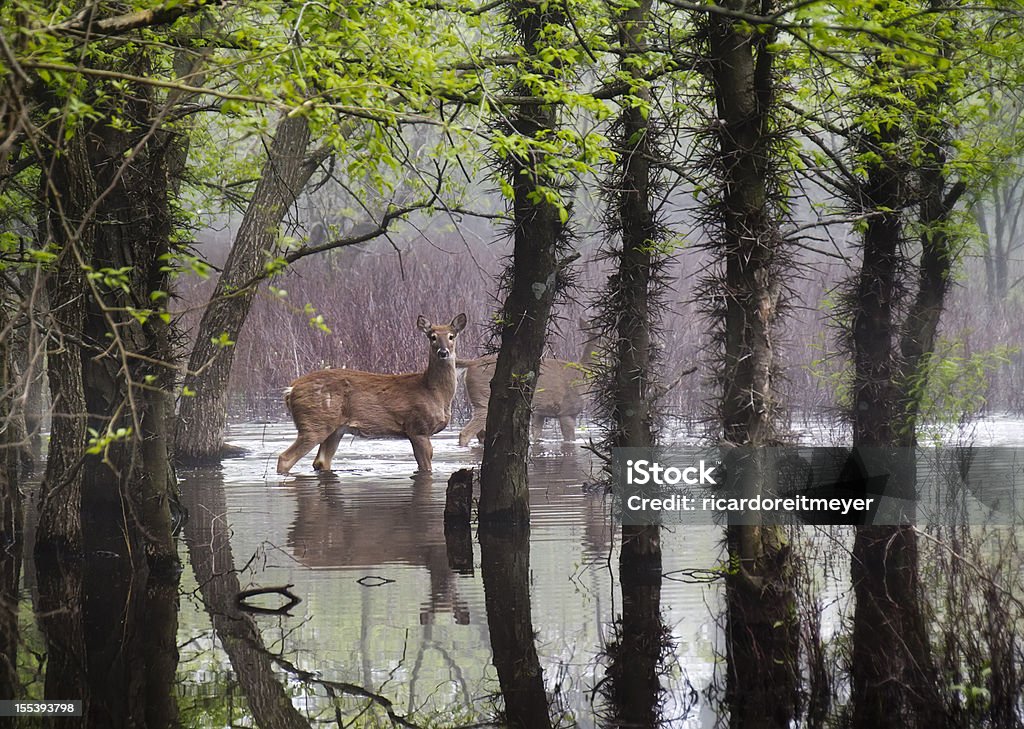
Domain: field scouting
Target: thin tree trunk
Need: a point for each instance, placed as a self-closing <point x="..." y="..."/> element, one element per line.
<point x="11" y="525"/>
<point x="200" y="431"/>
<point x="629" y="394"/>
<point x="629" y="309"/>
<point x="533" y="283"/>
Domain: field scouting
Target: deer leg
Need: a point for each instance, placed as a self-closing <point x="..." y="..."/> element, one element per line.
<point x="568" y="424"/>
<point x="475" y="426"/>
<point x="537" y="426"/>
<point x="302" y="445"/>
<point x="325" y="453"/>
<point x="424" y="452"/>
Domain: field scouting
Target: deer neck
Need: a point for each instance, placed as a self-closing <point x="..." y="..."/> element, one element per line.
<point x="440" y="374"/>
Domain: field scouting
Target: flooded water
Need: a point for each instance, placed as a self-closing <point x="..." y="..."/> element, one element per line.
<point x="382" y="606"/>
<point x="401" y="624"/>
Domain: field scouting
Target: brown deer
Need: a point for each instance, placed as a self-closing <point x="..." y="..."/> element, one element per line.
<point x="561" y="390"/>
<point x="329" y="404"/>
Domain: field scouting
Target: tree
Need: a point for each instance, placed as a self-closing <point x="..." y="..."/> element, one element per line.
<point x="203" y="411"/>
<point x="744" y="210"/>
<point x="539" y="258"/>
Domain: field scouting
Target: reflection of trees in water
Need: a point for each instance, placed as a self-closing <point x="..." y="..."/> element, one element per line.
<point x="632" y="687"/>
<point x="505" y="566"/>
<point x="110" y="630"/>
<point x="208" y="536"/>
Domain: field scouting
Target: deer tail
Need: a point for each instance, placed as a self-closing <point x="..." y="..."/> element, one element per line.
<point x="288" y="399"/>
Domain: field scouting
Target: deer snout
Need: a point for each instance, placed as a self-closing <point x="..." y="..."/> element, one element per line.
<point x="443" y="354"/>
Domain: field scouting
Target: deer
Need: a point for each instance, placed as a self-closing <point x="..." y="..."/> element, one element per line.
<point x="560" y="393"/>
<point x="329" y="404"/>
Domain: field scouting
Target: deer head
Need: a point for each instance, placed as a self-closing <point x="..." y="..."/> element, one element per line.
<point x="442" y="336"/>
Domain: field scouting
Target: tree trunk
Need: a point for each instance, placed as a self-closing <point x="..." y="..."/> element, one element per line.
<point x="208" y="535"/>
<point x="761" y="632"/>
<point x="895" y="682"/>
<point x="200" y="431"/>
<point x="505" y="567"/>
<point x="11" y="524"/>
<point x="636" y="284"/>
<point x="533" y="283"/>
<point x="628" y="395"/>
<point x="66" y="201"/>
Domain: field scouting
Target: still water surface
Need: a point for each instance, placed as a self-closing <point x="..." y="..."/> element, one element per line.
<point x="392" y="625"/>
<point x="381" y="607"/>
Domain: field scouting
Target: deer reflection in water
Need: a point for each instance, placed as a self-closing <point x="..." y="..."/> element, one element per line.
<point x="333" y="528"/>
<point x="329" y="404"/>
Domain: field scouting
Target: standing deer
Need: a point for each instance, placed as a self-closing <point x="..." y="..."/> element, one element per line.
<point x="560" y="393"/>
<point x="329" y="404"/>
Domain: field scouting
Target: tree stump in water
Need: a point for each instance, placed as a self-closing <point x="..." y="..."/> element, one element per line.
<point x="458" y="505"/>
<point x="458" y="508"/>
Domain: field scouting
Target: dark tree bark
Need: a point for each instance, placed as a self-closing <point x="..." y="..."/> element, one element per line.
<point x="744" y="220"/>
<point x="533" y="282"/>
<point x="634" y="288"/>
<point x="201" y="418"/>
<point x="104" y="202"/>
<point x="66" y="200"/>
<point x="895" y="680"/>
<point x="11" y="525"/>
<point x="505" y="567"/>
<point x="628" y="389"/>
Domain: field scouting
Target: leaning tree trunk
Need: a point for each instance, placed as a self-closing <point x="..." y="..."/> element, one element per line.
<point x="744" y="222"/>
<point x="200" y="431"/>
<point x="533" y="281"/>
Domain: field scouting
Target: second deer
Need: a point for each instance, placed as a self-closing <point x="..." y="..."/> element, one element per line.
<point x="561" y="392"/>
<point x="329" y="404"/>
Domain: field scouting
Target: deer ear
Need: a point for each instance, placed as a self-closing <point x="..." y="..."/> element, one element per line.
<point x="459" y="323"/>
<point x="423" y="325"/>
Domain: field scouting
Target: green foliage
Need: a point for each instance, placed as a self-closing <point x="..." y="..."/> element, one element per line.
<point x="952" y="384"/>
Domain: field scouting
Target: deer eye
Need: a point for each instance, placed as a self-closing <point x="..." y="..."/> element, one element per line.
<point x="451" y="337"/>
<point x="433" y="337"/>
